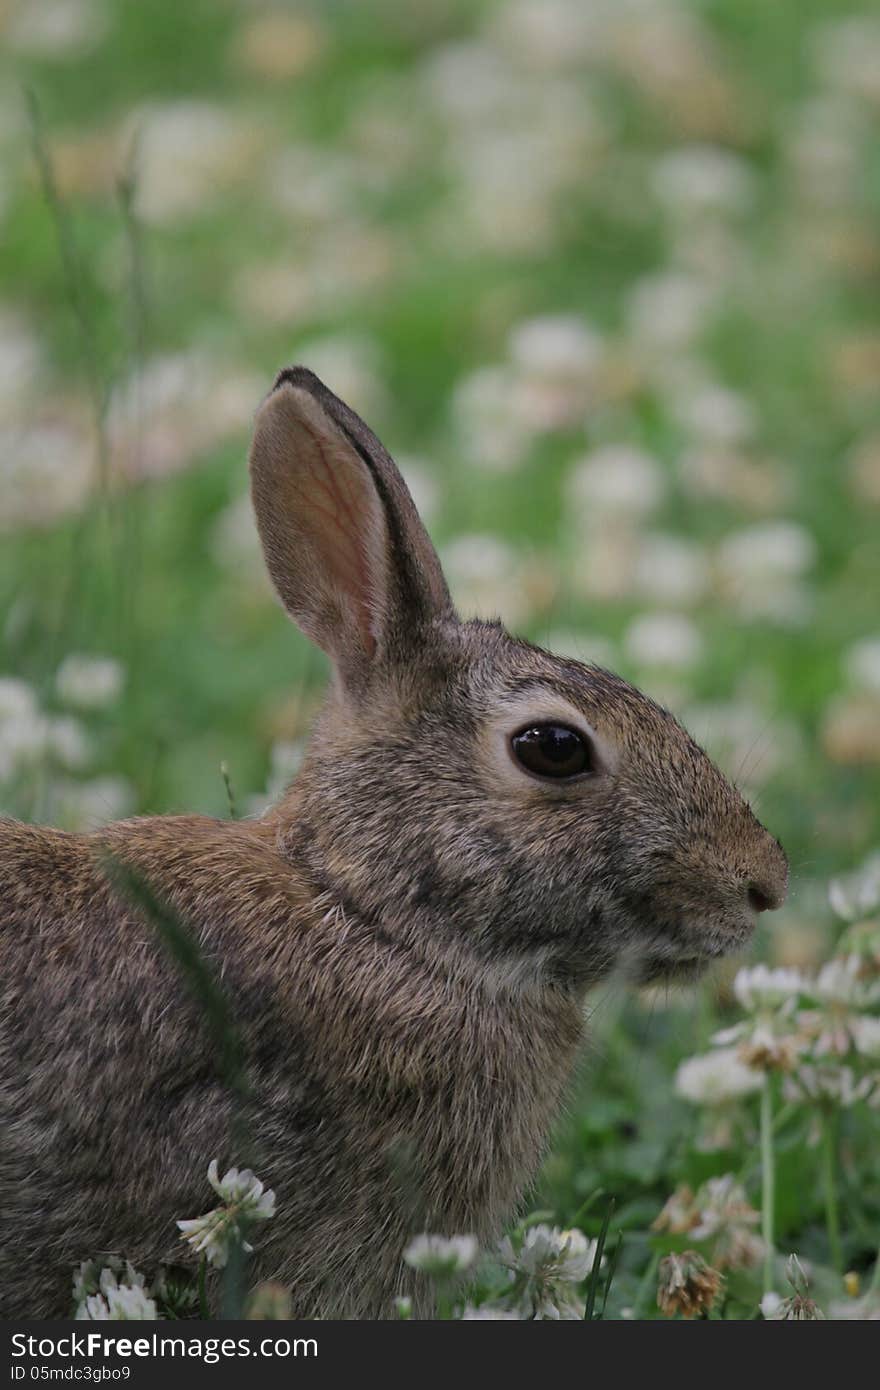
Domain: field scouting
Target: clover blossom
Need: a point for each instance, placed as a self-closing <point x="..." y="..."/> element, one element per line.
<point x="545" y="1269"/>
<point x="442" y="1257"/>
<point x="765" y="1038"/>
<point x="100" y="1295"/>
<point x="841" y="994"/>
<point x="688" y="1285"/>
<point x="245" y="1200"/>
<point x="719" y="1212"/>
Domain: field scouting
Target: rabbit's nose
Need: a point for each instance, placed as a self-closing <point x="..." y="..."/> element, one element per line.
<point x="767" y="889"/>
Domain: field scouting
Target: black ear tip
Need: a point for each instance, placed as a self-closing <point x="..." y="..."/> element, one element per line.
<point x="299" y="376"/>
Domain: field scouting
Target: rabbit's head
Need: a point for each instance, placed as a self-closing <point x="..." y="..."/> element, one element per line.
<point x="466" y="790"/>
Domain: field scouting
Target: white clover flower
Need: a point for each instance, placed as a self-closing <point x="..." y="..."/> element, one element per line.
<point x="67" y="741"/>
<point x="615" y="481"/>
<point x="484" y="574"/>
<point x="726" y="1217"/>
<point x="486" y="417"/>
<point x="57" y="29"/>
<point x="715" y="1078"/>
<point x="102" y="1293"/>
<point x="847" y="53"/>
<point x="17" y="700"/>
<point x="667" y="310"/>
<point x="557" y="359"/>
<point x="24" y="731"/>
<point x="715" y="415"/>
<point x="670" y="569"/>
<point x="443" y="1257"/>
<point x="702" y="179"/>
<point x="830" y="1084"/>
<point x="862" y="663"/>
<point x="245" y="1199"/>
<point x="770" y="1304"/>
<point x="856" y="895"/>
<point x="545" y="1269"/>
<point x="560" y="346"/>
<point x="662" y="639"/>
<point x="766" y="1038"/>
<point x="759" y="987"/>
<point x="841" y="993"/>
<point x="188" y="153"/>
<point x="46" y="470"/>
<point x="866" y="1035"/>
<point x="89" y="682"/>
<point x="761" y="570"/>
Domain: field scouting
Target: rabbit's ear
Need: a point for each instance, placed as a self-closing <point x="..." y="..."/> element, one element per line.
<point x="345" y="547"/>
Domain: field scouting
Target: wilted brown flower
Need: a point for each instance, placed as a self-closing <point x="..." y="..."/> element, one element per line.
<point x="681" y="1212"/>
<point x="688" y="1285"/>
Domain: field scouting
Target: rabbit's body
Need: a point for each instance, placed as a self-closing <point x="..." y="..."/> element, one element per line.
<point x="479" y="831"/>
<point x="376" y="1073"/>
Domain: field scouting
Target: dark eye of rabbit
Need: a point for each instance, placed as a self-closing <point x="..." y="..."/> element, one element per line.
<point x="551" y="750"/>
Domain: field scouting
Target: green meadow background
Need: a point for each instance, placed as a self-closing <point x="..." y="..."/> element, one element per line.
<point x="604" y="277"/>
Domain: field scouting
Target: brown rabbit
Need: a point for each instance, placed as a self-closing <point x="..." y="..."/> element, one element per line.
<point x="479" y="832"/>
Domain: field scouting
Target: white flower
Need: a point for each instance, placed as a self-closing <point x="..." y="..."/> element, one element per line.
<point x="89" y="682"/>
<point x="671" y="570"/>
<point x="245" y="1201"/>
<point x="715" y="415"/>
<point x="484" y="576"/>
<point x="557" y="359"/>
<point x="545" y="1269"/>
<point x="858" y="894"/>
<point x="441" y="1256"/>
<point x="66" y="739"/>
<point x="702" y="178"/>
<point x="46" y="469"/>
<point x="17" y="700"/>
<point x="662" y="639"/>
<point x="847" y="52"/>
<point x="101" y="1293"/>
<point x="766" y="1038"/>
<point x="57" y="29"/>
<point x="667" y="310"/>
<point x="840" y="991"/>
<point x="559" y="346"/>
<point x="862" y="663"/>
<point x="866" y="1035"/>
<point x="188" y="152"/>
<point x="770" y="1304"/>
<point x="759" y="987"/>
<point x="242" y="1189"/>
<point x="487" y="418"/>
<point x="615" y="481"/>
<point x="716" y="1078"/>
<point x="761" y="570"/>
<point x="830" y="1084"/>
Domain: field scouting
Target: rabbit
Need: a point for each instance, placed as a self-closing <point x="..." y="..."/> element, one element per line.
<point x="480" y="831"/>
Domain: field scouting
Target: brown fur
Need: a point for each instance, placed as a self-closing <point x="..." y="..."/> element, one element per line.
<point x="405" y="939"/>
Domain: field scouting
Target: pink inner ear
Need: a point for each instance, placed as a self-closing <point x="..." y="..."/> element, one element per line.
<point x="338" y="507"/>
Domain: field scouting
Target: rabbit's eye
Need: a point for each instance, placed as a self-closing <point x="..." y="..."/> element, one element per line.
<point x="551" y="750"/>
